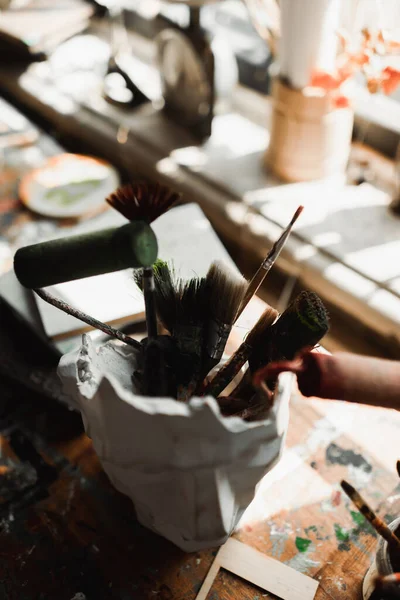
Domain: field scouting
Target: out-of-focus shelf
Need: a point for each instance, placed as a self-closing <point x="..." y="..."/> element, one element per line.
<point x="345" y="244"/>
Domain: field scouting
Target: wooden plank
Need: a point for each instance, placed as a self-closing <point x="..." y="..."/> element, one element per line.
<point x="261" y="570"/>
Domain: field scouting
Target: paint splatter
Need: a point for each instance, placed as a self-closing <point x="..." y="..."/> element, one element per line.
<point x="336" y="455"/>
<point x="302" y="563"/>
<point x="311" y="528"/>
<point x="336" y="498"/>
<point x="358" y="518"/>
<point x="302" y="544"/>
<point x="341" y="535"/>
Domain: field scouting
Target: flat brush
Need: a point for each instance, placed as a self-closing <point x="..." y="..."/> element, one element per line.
<point x="267" y="263"/>
<point x="225" y="292"/>
<point x="144" y="202"/>
<point x="380" y="526"/>
<point x="302" y="325"/>
<point x="188" y="333"/>
<point x="230" y="369"/>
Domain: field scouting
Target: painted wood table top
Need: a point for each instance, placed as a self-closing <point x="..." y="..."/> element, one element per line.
<point x="66" y="533"/>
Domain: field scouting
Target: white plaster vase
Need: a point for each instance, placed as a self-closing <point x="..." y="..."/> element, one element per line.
<point x="189" y="471"/>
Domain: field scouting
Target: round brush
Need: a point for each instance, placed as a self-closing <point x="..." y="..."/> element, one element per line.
<point x="302" y="325"/>
<point x="268" y="263"/>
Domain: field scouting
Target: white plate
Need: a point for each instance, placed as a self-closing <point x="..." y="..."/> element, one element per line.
<point x="68" y="186"/>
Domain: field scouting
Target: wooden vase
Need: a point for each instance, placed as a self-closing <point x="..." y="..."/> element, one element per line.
<point x="309" y="137"/>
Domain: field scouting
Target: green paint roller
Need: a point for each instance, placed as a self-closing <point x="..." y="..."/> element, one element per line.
<point x="131" y="246"/>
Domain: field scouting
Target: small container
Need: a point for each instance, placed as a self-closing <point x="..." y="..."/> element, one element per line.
<point x="380" y="566"/>
<point x="189" y="471"/>
<point x="309" y="138"/>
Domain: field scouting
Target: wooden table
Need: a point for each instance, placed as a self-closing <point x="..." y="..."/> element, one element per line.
<point x="67" y="534"/>
<point x="65" y="530"/>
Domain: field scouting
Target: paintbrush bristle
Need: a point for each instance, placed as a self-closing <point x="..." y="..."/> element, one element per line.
<point x="225" y="291"/>
<point x="167" y="299"/>
<point x="142" y="201"/>
<point x="296" y="215"/>
<point x="192" y="304"/>
<point x="255" y="336"/>
<point x="312" y="312"/>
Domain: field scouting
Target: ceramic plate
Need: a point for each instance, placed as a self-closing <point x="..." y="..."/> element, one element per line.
<point x="68" y="185"/>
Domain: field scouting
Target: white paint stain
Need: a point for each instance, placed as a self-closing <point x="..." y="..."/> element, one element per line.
<point x="302" y="563"/>
<point x="278" y="536"/>
<point x="79" y="596"/>
<point x="359" y="476"/>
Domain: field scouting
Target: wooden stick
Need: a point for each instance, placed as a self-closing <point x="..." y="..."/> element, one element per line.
<point x="267" y="263"/>
<point x="380" y="526"/>
<point x="261" y="570"/>
<point x="74" y="312"/>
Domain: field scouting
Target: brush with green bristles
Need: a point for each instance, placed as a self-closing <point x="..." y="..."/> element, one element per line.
<point x="302" y="325"/>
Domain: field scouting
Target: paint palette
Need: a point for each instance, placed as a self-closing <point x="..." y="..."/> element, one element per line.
<point x="69" y="186"/>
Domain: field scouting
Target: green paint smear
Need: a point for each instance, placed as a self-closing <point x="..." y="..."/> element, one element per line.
<point x="357" y="518"/>
<point x="302" y="544"/>
<point x="341" y="535"/>
<point x="71" y="193"/>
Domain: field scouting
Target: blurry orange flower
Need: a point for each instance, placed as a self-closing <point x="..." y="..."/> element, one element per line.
<point x="390" y="80"/>
<point x="341" y="101"/>
<point x="325" y="80"/>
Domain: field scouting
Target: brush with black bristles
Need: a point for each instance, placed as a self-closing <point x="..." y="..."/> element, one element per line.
<point x="302" y="325"/>
<point x="188" y="332"/>
<point x="182" y="310"/>
<point x="144" y="202"/>
<point x="230" y="369"/>
<point x="225" y="291"/>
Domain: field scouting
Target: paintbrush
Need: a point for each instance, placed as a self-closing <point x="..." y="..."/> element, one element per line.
<point x="225" y="292"/>
<point x="398" y="467"/>
<point x="231" y="368"/>
<point x="267" y="263"/>
<point x="302" y="325"/>
<point x="380" y="526"/>
<point x="144" y="202"/>
<point x="182" y="309"/>
<point x="188" y="333"/>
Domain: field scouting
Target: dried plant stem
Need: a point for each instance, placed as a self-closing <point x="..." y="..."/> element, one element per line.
<point x="107" y="329"/>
